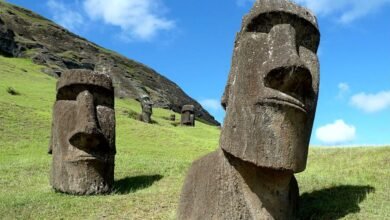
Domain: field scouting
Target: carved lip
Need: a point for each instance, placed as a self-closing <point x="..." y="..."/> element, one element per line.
<point x="84" y="158"/>
<point x="286" y="100"/>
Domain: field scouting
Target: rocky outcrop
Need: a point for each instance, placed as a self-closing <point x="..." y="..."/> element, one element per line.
<point x="26" y="34"/>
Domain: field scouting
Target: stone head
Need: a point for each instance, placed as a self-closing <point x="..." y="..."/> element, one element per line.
<point x="272" y="90"/>
<point x="83" y="133"/>
<point x="146" y="104"/>
<point x="172" y="117"/>
<point x="188" y="115"/>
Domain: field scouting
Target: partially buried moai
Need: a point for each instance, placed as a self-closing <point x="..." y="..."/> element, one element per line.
<point x="83" y="133"/>
<point x="188" y="115"/>
<point x="147" y="109"/>
<point x="270" y="101"/>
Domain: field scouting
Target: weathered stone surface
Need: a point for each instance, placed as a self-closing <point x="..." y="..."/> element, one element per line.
<point x="271" y="94"/>
<point x="83" y="133"/>
<point x="26" y="34"/>
<point x="146" y="105"/>
<point x="270" y="101"/>
<point x="188" y="115"/>
<point x="220" y="186"/>
<point x="7" y="45"/>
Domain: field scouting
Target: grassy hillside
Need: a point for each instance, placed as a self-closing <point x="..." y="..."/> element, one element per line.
<point x="26" y="34"/>
<point x="152" y="160"/>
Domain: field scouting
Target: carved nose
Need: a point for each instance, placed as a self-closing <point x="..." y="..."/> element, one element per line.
<point x="295" y="81"/>
<point x="283" y="43"/>
<point x="87" y="135"/>
<point x="288" y="74"/>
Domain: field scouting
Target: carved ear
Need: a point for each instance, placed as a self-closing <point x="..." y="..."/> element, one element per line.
<point x="225" y="97"/>
<point x="50" y="149"/>
<point x="226" y="93"/>
<point x="51" y="143"/>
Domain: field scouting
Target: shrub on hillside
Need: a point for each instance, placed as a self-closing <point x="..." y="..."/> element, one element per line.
<point x="12" y="91"/>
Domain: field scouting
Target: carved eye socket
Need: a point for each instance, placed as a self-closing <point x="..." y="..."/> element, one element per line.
<point x="307" y="40"/>
<point x="307" y="34"/>
<point x="101" y="95"/>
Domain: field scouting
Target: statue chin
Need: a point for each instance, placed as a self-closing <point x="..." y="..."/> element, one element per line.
<point x="87" y="177"/>
<point x="277" y="138"/>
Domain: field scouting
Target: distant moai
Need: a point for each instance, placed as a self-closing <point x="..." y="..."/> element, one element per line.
<point x="172" y="117"/>
<point x="188" y="115"/>
<point x="83" y="133"/>
<point x="270" y="101"/>
<point x="147" y="109"/>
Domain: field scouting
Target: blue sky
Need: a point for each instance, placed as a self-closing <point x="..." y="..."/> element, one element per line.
<point x="191" y="43"/>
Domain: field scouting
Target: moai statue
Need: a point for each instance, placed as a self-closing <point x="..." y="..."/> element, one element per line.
<point x="83" y="133"/>
<point x="188" y="115"/>
<point x="172" y="117"/>
<point x="270" y="101"/>
<point x="146" y="105"/>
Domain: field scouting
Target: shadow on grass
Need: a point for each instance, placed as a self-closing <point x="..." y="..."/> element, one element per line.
<point x="175" y="124"/>
<point x="132" y="184"/>
<point x="332" y="203"/>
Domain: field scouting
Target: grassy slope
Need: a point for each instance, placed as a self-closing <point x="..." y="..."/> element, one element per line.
<point x="152" y="160"/>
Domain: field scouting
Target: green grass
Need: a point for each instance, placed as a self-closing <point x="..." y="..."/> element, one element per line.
<point x="346" y="182"/>
<point x="5" y="6"/>
<point x="151" y="162"/>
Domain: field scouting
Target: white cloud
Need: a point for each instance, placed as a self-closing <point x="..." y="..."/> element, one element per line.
<point x="214" y="107"/>
<point x="64" y="15"/>
<point x="336" y="133"/>
<point x="346" y="11"/>
<point x="211" y="104"/>
<point x="343" y="87"/>
<point x="371" y="103"/>
<point x="140" y="19"/>
<point x="343" y="90"/>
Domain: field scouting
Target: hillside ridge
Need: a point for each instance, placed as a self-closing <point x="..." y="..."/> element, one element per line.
<point x="26" y="34"/>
